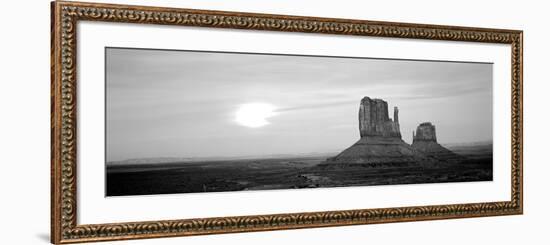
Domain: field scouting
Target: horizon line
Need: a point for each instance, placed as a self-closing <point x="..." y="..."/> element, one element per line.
<point x="243" y="157"/>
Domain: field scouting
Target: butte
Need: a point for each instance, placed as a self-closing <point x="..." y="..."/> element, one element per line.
<point x="425" y="141"/>
<point x="380" y="141"/>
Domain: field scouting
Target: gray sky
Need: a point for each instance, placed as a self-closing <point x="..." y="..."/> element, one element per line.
<point x="184" y="104"/>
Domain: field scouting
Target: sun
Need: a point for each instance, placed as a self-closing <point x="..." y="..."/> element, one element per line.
<point x="254" y="115"/>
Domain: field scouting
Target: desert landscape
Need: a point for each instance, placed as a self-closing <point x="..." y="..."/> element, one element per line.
<point x="379" y="157"/>
<point x="288" y="173"/>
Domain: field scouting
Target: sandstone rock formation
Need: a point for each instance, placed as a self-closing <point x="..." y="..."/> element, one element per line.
<point x="425" y="132"/>
<point x="380" y="140"/>
<point x="374" y="120"/>
<point x="425" y="141"/>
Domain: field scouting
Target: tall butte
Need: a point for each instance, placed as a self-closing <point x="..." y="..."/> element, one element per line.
<point x="380" y="140"/>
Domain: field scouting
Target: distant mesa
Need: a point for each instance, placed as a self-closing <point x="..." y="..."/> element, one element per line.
<point x="425" y="132"/>
<point x="381" y="143"/>
<point x="425" y="141"/>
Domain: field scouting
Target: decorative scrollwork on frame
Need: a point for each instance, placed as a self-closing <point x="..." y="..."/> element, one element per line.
<point x="66" y="16"/>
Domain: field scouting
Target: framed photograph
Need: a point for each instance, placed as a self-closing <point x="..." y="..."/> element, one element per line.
<point x="176" y="122"/>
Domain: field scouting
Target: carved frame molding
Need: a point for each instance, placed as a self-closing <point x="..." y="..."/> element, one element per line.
<point x="66" y="15"/>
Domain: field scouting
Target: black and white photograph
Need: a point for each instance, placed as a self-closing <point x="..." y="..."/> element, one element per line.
<point x="185" y="121"/>
<point x="274" y="122"/>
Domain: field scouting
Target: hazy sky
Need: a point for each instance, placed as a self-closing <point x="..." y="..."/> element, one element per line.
<point x="184" y="104"/>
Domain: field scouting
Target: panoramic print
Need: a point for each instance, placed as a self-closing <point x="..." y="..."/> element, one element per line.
<point x="196" y="121"/>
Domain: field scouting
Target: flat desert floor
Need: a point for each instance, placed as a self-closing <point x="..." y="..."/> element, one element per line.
<point x="289" y="173"/>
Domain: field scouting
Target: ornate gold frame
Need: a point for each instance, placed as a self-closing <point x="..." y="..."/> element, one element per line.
<point x="65" y="15"/>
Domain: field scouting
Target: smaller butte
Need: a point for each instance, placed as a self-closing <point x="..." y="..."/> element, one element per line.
<point x="425" y="141"/>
